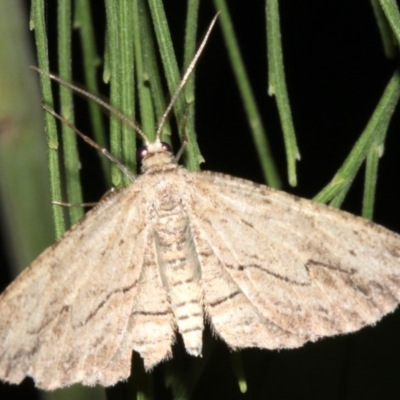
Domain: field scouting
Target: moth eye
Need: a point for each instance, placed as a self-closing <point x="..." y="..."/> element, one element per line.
<point x="141" y="153"/>
<point x="166" y="147"/>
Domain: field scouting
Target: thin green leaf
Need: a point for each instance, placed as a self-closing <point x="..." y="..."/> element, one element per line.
<point x="376" y="128"/>
<point x="126" y="27"/>
<point x="173" y="78"/>
<point x="391" y="11"/>
<point x="91" y="61"/>
<point x="388" y="41"/>
<point x="151" y="76"/>
<point x="238" y="370"/>
<point x="277" y="87"/>
<point x="142" y="35"/>
<point x="24" y="183"/>
<point x="371" y="176"/>
<point x="38" y="20"/>
<point x="249" y="103"/>
<point x="188" y="52"/>
<point x="114" y="52"/>
<point x="68" y="137"/>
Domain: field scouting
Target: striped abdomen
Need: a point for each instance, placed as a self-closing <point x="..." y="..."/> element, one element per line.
<point x="180" y="271"/>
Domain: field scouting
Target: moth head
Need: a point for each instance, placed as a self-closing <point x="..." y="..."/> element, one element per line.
<point x="155" y="155"/>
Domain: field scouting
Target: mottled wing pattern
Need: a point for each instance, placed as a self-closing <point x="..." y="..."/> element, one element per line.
<point x="278" y="270"/>
<point x="151" y="329"/>
<point x="67" y="317"/>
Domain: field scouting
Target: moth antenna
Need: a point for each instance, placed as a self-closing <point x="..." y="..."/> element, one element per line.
<point x="182" y="84"/>
<point x="64" y="204"/>
<point x="92" y="143"/>
<point x="181" y="150"/>
<point x="102" y="103"/>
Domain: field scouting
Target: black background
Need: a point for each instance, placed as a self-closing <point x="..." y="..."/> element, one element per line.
<point x="336" y="72"/>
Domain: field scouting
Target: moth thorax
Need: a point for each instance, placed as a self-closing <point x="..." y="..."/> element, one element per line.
<point x="157" y="160"/>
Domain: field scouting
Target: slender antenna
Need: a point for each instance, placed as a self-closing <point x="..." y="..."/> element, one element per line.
<point x="92" y="143"/>
<point x="123" y="117"/>
<point x="184" y="79"/>
<point x="104" y="104"/>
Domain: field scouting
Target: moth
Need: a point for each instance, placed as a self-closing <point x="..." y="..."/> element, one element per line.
<point x="176" y="250"/>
